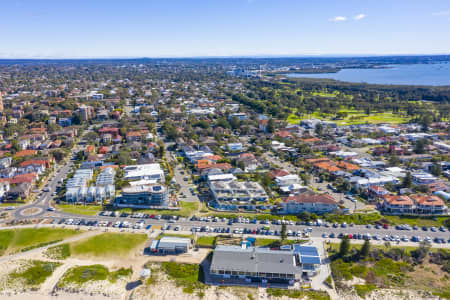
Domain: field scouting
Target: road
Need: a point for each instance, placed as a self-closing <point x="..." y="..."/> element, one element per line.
<point x="43" y="203"/>
<point x="317" y="231"/>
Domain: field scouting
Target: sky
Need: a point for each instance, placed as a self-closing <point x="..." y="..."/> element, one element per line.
<point x="187" y="28"/>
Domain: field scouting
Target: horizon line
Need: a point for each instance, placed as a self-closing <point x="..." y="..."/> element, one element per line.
<point x="229" y="56"/>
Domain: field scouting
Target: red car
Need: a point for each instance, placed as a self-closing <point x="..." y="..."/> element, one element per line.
<point x="385" y="226"/>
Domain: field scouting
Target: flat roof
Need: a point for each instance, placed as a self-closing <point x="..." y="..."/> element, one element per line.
<point x="172" y="242"/>
<point x="255" y="260"/>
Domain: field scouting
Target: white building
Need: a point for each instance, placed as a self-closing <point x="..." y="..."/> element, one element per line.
<point x="147" y="171"/>
<point x="237" y="191"/>
<point x="106" y="177"/>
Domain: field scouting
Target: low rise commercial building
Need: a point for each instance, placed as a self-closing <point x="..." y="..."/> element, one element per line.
<point x="147" y="171"/>
<point x="170" y="245"/>
<point x="246" y="265"/>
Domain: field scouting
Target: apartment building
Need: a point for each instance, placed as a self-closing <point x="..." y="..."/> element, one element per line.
<point x="144" y="196"/>
<point x="307" y="202"/>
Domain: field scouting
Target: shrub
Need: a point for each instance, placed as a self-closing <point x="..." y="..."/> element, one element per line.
<point x="364" y="289"/>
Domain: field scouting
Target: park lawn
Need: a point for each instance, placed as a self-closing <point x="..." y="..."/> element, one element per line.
<point x="325" y="94"/>
<point x="276" y="242"/>
<point x="372" y="218"/>
<point x="416" y="221"/>
<point x="335" y="247"/>
<point x="108" y="245"/>
<point x="87" y="210"/>
<point x="24" y="239"/>
<point x="206" y="241"/>
<point x="187" y="209"/>
<point x="354" y="117"/>
<point x="189" y="236"/>
<point x="294" y="119"/>
<point x="6" y="237"/>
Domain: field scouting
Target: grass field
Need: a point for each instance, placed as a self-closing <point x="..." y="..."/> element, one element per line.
<point x="189" y="236"/>
<point x="335" y="247"/>
<point x="372" y="218"/>
<point x="35" y="273"/>
<point x="16" y="240"/>
<point x="87" y="210"/>
<point x="187" y="209"/>
<point x="206" y="241"/>
<point x="354" y="117"/>
<point x="108" y="245"/>
<point x="276" y="242"/>
<point x="416" y="221"/>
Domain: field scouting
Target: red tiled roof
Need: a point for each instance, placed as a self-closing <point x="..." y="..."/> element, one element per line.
<point x="214" y="157"/>
<point x="25" y="153"/>
<point x="398" y="200"/>
<point x="428" y="200"/>
<point x="133" y="133"/>
<point x="45" y="163"/>
<point x="278" y="173"/>
<point x="29" y="177"/>
<point x="307" y="198"/>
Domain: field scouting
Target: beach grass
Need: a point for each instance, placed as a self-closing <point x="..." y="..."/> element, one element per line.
<point x="35" y="273"/>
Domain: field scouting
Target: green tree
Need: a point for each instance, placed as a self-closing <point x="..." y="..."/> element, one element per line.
<point x="419" y="146"/>
<point x="283" y="233"/>
<point x="15" y="145"/>
<point x="407" y="180"/>
<point x="425" y="121"/>
<point x="344" y="248"/>
<point x="319" y="129"/>
<point x="365" y="249"/>
<point x="235" y="123"/>
<point x="270" y="126"/>
<point x="436" y="169"/>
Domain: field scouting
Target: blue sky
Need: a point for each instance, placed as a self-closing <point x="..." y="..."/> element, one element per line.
<point x="180" y="28"/>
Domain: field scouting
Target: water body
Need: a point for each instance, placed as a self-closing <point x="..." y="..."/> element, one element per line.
<point x="418" y="74"/>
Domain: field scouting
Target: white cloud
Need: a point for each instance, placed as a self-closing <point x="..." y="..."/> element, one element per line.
<point x="359" y="17"/>
<point x="338" y="19"/>
<point x="442" y="13"/>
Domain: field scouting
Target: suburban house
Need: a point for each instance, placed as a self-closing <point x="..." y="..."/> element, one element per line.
<point x="133" y="136"/>
<point x="376" y="191"/>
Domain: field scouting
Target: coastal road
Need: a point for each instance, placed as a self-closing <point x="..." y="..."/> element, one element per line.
<point x="317" y="231"/>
